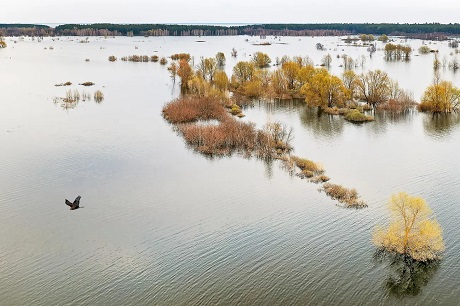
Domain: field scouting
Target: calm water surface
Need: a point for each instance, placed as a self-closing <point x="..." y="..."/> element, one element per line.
<point x="162" y="225"/>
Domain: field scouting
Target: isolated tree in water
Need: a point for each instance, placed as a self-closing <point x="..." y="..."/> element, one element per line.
<point x="411" y="232"/>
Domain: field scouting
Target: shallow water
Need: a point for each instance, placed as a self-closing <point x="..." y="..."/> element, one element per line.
<point x="164" y="225"/>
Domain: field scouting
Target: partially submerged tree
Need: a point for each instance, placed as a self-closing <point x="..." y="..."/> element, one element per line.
<point x="206" y="68"/>
<point x="440" y="97"/>
<point x="326" y="61"/>
<point x="243" y="71"/>
<point x="173" y="71"/>
<point x="220" y="58"/>
<point x="383" y="38"/>
<point x="397" y="52"/>
<point x="412" y="231"/>
<point x="221" y="80"/>
<point x="349" y="79"/>
<point x="2" y="43"/>
<point x="261" y="60"/>
<point x="374" y="87"/>
<point x="324" y="90"/>
<point x="185" y="73"/>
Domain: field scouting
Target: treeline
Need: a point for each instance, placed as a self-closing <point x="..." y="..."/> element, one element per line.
<point x="26" y="30"/>
<point x="425" y="30"/>
<point x="146" y="29"/>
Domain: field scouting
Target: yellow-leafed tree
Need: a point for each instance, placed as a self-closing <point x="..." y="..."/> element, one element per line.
<point x="324" y="90"/>
<point x="412" y="231"/>
<point x="2" y="43"/>
<point x="440" y="97"/>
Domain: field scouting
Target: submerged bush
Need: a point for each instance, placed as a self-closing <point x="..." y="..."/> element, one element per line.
<point x="424" y="50"/>
<point x="235" y="109"/>
<point x="112" y="58"/>
<point x="320" y="179"/>
<point x="64" y="84"/>
<point x="349" y="197"/>
<point x="227" y="137"/>
<point x="181" y="56"/>
<point x="307" y="165"/>
<point x="280" y="136"/>
<point x="190" y="109"/>
<point x="98" y="96"/>
<point x="87" y="84"/>
<point x="72" y="96"/>
<point x="356" y="116"/>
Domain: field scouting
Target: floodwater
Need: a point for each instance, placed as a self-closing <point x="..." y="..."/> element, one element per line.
<point x="162" y="225"/>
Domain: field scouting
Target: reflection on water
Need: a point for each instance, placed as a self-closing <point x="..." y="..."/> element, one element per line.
<point x="391" y="118"/>
<point x="406" y="277"/>
<point x="73" y="98"/>
<point x="320" y="123"/>
<point x="440" y="125"/>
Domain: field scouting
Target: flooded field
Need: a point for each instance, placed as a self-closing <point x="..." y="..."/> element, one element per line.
<point x="162" y="225"/>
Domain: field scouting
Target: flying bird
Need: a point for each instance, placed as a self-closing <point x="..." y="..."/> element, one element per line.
<point x="75" y="204"/>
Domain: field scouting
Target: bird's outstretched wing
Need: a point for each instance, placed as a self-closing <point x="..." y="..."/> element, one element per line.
<point x="67" y="202"/>
<point x="76" y="203"/>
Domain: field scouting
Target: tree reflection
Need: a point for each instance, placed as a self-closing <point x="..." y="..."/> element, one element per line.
<point x="322" y="124"/>
<point x="439" y="125"/>
<point x="407" y="276"/>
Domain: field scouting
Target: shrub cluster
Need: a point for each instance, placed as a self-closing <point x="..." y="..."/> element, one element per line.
<point x="190" y="109"/>
<point x="348" y="197"/>
<point x="355" y="115"/>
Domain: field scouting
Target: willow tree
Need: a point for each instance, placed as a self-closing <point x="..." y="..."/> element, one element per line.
<point x="326" y="60"/>
<point x="206" y="68"/>
<point x="185" y="73"/>
<point x="324" y="90"/>
<point x="243" y="72"/>
<point x="412" y="231"/>
<point x="374" y="87"/>
<point x="291" y="72"/>
<point x="440" y="97"/>
<point x="221" y="80"/>
<point x="349" y="79"/>
<point x="261" y="60"/>
<point x="279" y="83"/>
<point x="220" y="58"/>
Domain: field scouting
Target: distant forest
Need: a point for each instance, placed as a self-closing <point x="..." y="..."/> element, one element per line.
<point x="424" y="31"/>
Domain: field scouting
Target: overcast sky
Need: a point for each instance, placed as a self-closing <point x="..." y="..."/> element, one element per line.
<point x="228" y="11"/>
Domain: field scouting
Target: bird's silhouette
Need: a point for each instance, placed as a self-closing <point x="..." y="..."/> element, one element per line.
<point x="75" y="204"/>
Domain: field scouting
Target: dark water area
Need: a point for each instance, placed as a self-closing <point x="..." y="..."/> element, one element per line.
<point x="162" y="225"/>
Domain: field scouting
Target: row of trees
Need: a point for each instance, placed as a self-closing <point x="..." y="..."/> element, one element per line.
<point x="426" y="29"/>
<point x="294" y="78"/>
<point x="319" y="88"/>
<point x="397" y="52"/>
<point x="298" y="78"/>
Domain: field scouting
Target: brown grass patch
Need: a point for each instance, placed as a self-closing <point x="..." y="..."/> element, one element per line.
<point x="307" y="165"/>
<point x="348" y="197"/>
<point x="87" y="84"/>
<point x="320" y="179"/>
